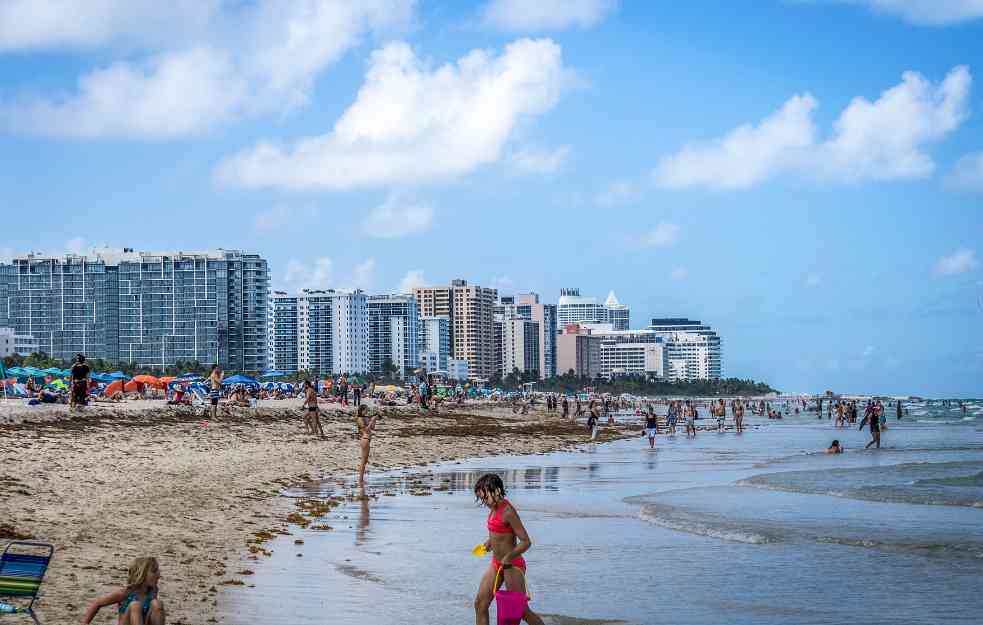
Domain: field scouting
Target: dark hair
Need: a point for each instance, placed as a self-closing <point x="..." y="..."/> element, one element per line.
<point x="491" y="484"/>
<point x="79" y="358"/>
<point x="836" y="442"/>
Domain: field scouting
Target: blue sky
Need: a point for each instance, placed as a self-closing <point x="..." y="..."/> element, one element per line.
<point x="805" y="175"/>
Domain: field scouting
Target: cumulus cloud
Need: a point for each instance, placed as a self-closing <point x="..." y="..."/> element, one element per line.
<point x="542" y="15"/>
<point x="412" y="123"/>
<point x="394" y="218"/>
<point x="256" y="59"/>
<point x="75" y="245"/>
<point x="533" y="160"/>
<point x="967" y="175"/>
<point x="663" y="234"/>
<point x="880" y="140"/>
<point x="927" y="12"/>
<point x="960" y="261"/>
<point x="43" y="24"/>
<point x="322" y="274"/>
<point x="619" y="192"/>
<point x="412" y="280"/>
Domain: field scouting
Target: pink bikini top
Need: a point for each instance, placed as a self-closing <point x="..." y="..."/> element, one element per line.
<point x="495" y="523"/>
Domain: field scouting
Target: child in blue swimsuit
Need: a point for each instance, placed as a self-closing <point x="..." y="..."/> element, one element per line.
<point x="139" y="601"/>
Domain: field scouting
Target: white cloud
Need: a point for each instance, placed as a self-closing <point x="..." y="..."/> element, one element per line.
<point x="322" y="274"/>
<point x="300" y="275"/>
<point x="42" y="24"/>
<point x="879" y="140"/>
<point x="412" y="123"/>
<point x="746" y="155"/>
<point x="6" y="254"/>
<point x="958" y="262"/>
<point x="413" y="279"/>
<point x="541" y="15"/>
<point x="678" y="273"/>
<point x="663" y="234"/>
<point x="532" y="160"/>
<point x="967" y="175"/>
<point x="503" y="283"/>
<point x="362" y="274"/>
<point x="394" y="219"/>
<point x="928" y="12"/>
<point x="252" y="60"/>
<point x="75" y="245"/>
<point x="619" y="192"/>
<point x="814" y="279"/>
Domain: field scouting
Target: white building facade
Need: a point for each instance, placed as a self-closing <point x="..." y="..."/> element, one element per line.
<point x="693" y="348"/>
<point x="323" y="331"/>
<point x="434" y="342"/>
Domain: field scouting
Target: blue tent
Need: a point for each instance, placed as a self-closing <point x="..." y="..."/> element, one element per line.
<point x="239" y="379"/>
<point x="118" y="375"/>
<point x="102" y="377"/>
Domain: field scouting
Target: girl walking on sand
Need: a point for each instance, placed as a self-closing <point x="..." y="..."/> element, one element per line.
<point x="507" y="541"/>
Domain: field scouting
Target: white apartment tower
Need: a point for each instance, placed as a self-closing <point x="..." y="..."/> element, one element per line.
<point x="324" y="331"/>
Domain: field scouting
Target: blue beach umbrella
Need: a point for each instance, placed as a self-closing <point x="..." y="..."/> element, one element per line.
<point x="273" y="374"/>
<point x="240" y="379"/>
<point x="118" y="375"/>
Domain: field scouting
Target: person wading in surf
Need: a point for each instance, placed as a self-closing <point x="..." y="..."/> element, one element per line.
<point x="507" y="541"/>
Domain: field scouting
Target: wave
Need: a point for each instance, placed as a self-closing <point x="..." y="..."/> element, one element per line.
<point x="763" y="532"/>
<point x="925" y="483"/>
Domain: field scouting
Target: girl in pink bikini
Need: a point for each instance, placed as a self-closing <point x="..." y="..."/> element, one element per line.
<point x="507" y="541"/>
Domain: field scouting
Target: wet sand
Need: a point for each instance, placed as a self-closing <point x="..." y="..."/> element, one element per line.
<point x="203" y="496"/>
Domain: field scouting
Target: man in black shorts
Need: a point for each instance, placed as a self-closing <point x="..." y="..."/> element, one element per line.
<point x="80" y="382"/>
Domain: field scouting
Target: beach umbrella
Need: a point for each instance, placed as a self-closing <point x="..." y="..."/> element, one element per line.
<point x="58" y="384"/>
<point x="117" y="386"/>
<point x="101" y="377"/>
<point x="149" y="380"/>
<point x="166" y="379"/>
<point x="188" y="377"/>
<point x="118" y="375"/>
<point x="273" y="374"/>
<point x="239" y="379"/>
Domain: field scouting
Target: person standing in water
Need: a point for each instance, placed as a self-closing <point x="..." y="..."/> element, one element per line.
<point x="874" y="421"/>
<point x="739" y="416"/>
<point x="365" y="428"/>
<point x="651" y="426"/>
<point x="507" y="541"/>
<point x="898" y="411"/>
<point x="566" y="407"/>
<point x="689" y="411"/>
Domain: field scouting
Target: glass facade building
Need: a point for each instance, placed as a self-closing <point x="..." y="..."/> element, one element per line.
<point x="393" y="333"/>
<point x="151" y="309"/>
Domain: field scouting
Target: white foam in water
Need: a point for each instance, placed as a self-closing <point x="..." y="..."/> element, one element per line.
<point x="682" y="522"/>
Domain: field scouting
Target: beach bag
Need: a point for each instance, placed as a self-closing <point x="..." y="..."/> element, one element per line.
<point x="510" y="606"/>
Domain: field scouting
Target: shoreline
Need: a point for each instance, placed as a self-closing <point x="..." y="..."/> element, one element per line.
<point x="116" y="482"/>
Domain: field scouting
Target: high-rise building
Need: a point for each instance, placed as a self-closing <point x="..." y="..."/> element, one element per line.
<point x="579" y="351"/>
<point x="520" y="346"/>
<point x="471" y="313"/>
<point x="153" y="309"/>
<point x="323" y="331"/>
<point x="693" y="349"/>
<point x="527" y="306"/>
<point x="393" y="333"/>
<point x="618" y="314"/>
<point x="633" y="352"/>
<point x="434" y="342"/>
<point x="572" y="307"/>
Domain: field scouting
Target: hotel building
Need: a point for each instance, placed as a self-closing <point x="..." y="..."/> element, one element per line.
<point x="472" y="322"/>
<point x="153" y="309"/>
<point x="323" y="331"/>
<point x="393" y="333"/>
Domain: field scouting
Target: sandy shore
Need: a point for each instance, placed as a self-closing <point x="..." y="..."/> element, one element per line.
<point x="141" y="479"/>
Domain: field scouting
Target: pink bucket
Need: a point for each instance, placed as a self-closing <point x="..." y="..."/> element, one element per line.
<point x="510" y="606"/>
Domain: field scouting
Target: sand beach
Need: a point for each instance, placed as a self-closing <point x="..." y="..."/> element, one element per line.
<point x="119" y="481"/>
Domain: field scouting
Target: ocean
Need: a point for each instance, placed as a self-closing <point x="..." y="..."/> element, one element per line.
<point x="752" y="528"/>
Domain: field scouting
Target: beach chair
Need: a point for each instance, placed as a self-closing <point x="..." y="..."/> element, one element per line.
<point x="22" y="570"/>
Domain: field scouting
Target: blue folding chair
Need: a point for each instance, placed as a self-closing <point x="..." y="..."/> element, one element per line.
<point x="21" y="575"/>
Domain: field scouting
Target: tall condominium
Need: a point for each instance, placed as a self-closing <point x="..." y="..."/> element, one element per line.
<point x="154" y="309"/>
<point x="578" y="351"/>
<point x="332" y="330"/>
<point x="520" y="346"/>
<point x="434" y="342"/>
<point x="393" y="334"/>
<point x="692" y="348"/>
<point x="572" y="307"/>
<point x="528" y="306"/>
<point x="471" y="312"/>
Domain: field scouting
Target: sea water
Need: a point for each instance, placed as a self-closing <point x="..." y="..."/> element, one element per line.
<point x="754" y="528"/>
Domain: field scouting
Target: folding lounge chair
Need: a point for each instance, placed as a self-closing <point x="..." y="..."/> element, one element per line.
<point x="21" y="575"/>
